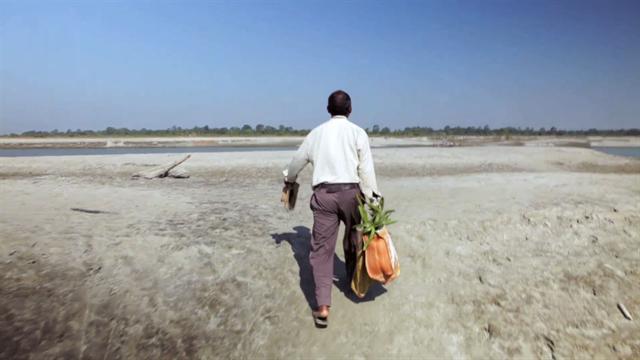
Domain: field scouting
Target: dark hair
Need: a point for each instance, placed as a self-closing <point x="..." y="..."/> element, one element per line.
<point x="339" y="103"/>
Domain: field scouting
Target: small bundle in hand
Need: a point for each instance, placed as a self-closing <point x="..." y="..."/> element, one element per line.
<point x="289" y="195"/>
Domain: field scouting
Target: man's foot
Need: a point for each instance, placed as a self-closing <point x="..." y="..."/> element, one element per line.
<point x="321" y="316"/>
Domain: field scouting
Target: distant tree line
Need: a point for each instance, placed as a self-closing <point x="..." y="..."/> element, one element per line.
<point x="267" y="130"/>
<point x="503" y="131"/>
<point x="245" y="130"/>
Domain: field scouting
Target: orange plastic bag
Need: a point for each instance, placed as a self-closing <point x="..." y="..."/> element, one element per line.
<point x="381" y="258"/>
<point x="379" y="262"/>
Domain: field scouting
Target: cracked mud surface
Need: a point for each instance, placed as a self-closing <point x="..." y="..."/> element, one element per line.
<point x="505" y="252"/>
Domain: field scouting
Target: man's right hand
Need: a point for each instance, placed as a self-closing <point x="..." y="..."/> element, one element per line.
<point x="375" y="199"/>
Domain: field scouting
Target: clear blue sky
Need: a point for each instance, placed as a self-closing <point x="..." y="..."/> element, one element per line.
<point x="154" y="64"/>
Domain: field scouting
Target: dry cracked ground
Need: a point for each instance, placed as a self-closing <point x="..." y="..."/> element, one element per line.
<point x="505" y="253"/>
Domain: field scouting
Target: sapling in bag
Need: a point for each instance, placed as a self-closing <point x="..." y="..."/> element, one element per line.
<point x="377" y="257"/>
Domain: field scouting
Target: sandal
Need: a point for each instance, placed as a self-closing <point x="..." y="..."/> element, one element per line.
<point x="321" y="321"/>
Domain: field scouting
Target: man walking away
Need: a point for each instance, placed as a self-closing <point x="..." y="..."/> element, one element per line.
<point x="342" y="169"/>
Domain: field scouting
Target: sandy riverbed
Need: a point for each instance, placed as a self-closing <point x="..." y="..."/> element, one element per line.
<point x="505" y="252"/>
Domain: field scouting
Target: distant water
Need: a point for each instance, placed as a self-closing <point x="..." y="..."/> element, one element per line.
<point x="149" y="150"/>
<point x="136" y="150"/>
<point x="620" y="151"/>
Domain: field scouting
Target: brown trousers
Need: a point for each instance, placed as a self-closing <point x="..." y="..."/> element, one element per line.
<point x="329" y="208"/>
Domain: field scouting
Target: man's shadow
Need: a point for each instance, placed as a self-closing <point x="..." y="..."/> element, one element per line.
<point x="300" y="242"/>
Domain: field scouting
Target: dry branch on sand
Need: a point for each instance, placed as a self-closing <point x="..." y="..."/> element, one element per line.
<point x="165" y="171"/>
<point x="624" y="311"/>
<point x="90" y="211"/>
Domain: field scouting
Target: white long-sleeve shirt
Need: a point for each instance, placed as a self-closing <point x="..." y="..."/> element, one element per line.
<point x="340" y="153"/>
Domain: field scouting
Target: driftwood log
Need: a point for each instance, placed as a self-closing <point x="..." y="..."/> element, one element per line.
<point x="624" y="311"/>
<point x="165" y="170"/>
<point x="90" y="211"/>
<point x="178" y="173"/>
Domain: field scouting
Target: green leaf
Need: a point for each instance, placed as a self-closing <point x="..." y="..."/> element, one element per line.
<point x="373" y="217"/>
